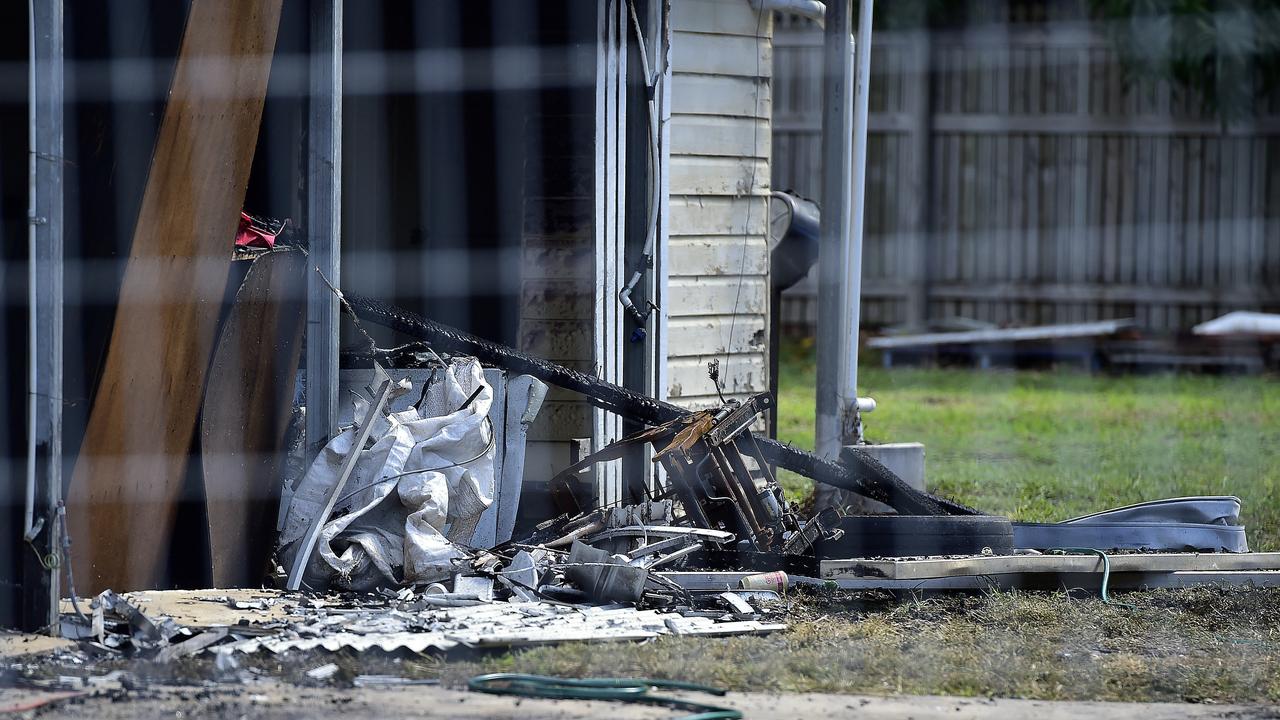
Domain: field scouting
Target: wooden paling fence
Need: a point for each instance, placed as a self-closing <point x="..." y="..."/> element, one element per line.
<point x="1016" y="176"/>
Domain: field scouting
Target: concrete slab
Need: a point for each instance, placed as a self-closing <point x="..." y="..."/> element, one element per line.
<point x="269" y="699"/>
<point x="18" y="644"/>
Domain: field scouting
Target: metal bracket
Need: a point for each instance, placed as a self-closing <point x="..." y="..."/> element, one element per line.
<point x="739" y="419"/>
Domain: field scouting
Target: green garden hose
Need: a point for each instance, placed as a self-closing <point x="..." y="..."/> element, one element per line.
<point x="1106" y="571"/>
<point x="633" y="690"/>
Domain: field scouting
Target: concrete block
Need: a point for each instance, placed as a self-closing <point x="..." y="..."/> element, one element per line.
<point x="904" y="459"/>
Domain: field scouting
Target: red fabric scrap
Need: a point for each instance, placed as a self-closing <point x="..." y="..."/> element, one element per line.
<point x="251" y="235"/>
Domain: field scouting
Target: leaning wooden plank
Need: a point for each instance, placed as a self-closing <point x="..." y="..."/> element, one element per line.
<point x="246" y="409"/>
<point x="129" y="475"/>
<point x="1007" y="564"/>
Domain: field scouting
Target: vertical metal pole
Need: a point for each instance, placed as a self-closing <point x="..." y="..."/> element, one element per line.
<point x="921" y="111"/>
<point x="324" y="219"/>
<point x="834" y="238"/>
<point x="610" y="227"/>
<point x="844" y="149"/>
<point x="44" y="428"/>
<point x="850" y="427"/>
<point x="662" y="269"/>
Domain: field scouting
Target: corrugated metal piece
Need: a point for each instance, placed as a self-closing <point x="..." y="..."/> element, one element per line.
<point x="493" y="625"/>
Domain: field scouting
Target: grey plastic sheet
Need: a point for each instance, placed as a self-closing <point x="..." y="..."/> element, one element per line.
<point x="1207" y="523"/>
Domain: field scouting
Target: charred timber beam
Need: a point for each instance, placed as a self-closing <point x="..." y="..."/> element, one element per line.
<point x="857" y="472"/>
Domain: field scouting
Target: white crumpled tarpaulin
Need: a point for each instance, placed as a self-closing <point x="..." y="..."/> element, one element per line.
<point x="416" y="490"/>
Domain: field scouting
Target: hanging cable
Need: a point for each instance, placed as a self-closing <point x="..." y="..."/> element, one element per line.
<point x="641" y="315"/>
<point x="751" y="186"/>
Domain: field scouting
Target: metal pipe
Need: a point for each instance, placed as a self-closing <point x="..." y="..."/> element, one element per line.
<point x="811" y="9"/>
<point x="834" y="234"/>
<point x="33" y="357"/>
<point x="852" y="303"/>
<point x="844" y="143"/>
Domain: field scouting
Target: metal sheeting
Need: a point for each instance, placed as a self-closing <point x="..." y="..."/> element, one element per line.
<point x="493" y="625"/>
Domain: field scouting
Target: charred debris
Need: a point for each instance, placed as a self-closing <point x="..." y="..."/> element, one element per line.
<point x="399" y="534"/>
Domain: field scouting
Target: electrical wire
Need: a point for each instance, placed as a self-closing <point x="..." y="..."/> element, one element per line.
<point x="751" y="186"/>
<point x="650" y="84"/>
<point x="66" y="560"/>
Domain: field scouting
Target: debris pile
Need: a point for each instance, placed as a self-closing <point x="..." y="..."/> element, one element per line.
<point x="391" y="505"/>
<point x="409" y="512"/>
<point x="388" y="501"/>
<point x="474" y="612"/>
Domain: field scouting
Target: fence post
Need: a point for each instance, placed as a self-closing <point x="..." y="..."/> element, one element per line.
<point x="918" y="239"/>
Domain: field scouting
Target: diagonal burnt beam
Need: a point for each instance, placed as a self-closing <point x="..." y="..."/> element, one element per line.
<point x="857" y="472"/>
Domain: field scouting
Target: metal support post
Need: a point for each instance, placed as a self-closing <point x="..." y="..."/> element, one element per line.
<point x="42" y="519"/>
<point x="836" y="231"/>
<point x="844" y="145"/>
<point x="610" y="226"/>
<point x="324" y="220"/>
<point x="851" y="406"/>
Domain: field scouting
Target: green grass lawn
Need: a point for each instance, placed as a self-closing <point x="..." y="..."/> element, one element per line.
<point x="1046" y="446"/>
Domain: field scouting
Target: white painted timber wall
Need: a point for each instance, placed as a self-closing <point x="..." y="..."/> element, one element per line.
<point x="718" y="302"/>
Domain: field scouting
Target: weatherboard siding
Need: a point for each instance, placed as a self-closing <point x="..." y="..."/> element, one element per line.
<point x="721" y="138"/>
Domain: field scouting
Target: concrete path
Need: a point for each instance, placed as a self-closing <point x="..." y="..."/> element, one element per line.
<point x="276" y="701"/>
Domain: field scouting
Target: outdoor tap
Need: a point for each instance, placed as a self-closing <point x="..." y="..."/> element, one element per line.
<point x="641" y="316"/>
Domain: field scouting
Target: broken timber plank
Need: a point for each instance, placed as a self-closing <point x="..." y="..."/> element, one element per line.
<point x="1067" y="581"/>
<point x="1194" y="578"/>
<point x="1010" y="564"/>
<point x="128" y="478"/>
<point x="246" y="410"/>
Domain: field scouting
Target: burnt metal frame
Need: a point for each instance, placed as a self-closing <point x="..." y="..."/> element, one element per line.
<point x="742" y="509"/>
<point x="706" y="472"/>
<point x="856" y="472"/>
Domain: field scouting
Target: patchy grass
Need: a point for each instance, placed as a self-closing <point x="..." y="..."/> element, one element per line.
<point x="1036" y="446"/>
<point x="1205" y="644"/>
<point x="1197" y="645"/>
<point x="1043" y="446"/>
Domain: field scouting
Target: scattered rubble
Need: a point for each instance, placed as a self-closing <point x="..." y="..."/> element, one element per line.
<point x="404" y="620"/>
<point x="387" y="521"/>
